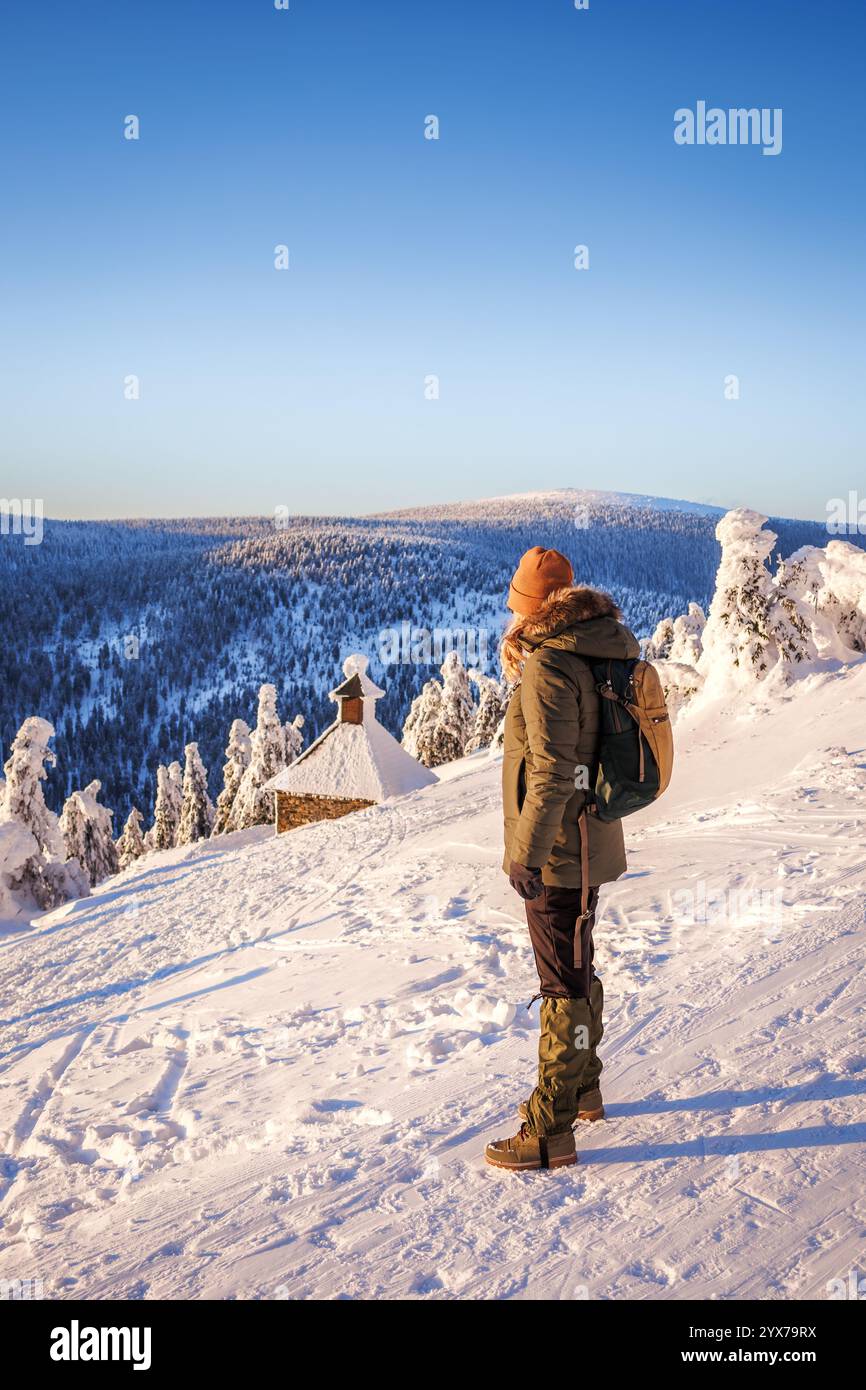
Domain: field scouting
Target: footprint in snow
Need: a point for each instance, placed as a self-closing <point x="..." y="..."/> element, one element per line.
<point x="651" y="1272"/>
<point x="170" y="1250"/>
<point x="426" y="1283"/>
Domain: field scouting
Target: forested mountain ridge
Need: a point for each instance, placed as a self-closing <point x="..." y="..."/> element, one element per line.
<point x="135" y="637"/>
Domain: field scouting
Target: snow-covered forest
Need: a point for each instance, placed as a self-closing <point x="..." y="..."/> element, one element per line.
<point x="134" y="639"/>
<point x="772" y="615"/>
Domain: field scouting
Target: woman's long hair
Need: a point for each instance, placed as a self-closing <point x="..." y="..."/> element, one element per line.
<point x="511" y="654"/>
<point x="511" y="651"/>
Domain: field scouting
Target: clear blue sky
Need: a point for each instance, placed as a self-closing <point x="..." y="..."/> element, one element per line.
<point x="412" y="257"/>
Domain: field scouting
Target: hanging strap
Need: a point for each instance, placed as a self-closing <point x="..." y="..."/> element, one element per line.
<point x="584" y="865"/>
<point x="584" y="889"/>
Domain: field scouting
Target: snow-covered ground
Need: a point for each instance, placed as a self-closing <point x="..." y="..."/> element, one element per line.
<point x="267" y="1067"/>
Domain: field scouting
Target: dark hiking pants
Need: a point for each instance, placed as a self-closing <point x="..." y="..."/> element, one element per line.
<point x="571" y="1008"/>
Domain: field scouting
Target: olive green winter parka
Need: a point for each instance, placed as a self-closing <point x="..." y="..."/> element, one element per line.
<point x="551" y="739"/>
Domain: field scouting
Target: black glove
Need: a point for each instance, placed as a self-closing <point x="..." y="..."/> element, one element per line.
<point x="526" y="882"/>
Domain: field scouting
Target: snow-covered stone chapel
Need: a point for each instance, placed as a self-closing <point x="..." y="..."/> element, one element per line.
<point x="353" y="764"/>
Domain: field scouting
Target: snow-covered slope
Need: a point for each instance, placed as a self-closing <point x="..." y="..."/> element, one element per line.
<point x="267" y="1067"/>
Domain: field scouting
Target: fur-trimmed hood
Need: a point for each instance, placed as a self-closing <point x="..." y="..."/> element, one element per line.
<point x="578" y="619"/>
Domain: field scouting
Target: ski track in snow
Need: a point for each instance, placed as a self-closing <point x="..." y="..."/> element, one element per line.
<point x="266" y="1068"/>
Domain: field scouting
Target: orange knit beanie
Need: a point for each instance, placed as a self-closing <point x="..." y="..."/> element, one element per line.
<point x="538" y="574"/>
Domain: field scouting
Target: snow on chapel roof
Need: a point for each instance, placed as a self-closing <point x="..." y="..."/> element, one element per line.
<point x="355" y="761"/>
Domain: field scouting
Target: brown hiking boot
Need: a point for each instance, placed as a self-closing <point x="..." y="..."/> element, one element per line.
<point x="525" y="1151"/>
<point x="591" y="1107"/>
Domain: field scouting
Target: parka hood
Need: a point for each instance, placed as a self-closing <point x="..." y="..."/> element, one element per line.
<point x="580" y="620"/>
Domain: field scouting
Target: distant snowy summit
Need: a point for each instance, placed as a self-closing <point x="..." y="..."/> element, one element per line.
<point x="597" y="497"/>
<point x="567" y="500"/>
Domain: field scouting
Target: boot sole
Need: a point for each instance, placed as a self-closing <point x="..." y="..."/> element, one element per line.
<point x="565" y="1162"/>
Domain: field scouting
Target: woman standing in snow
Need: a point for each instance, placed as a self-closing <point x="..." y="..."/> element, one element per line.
<point x="557" y="852"/>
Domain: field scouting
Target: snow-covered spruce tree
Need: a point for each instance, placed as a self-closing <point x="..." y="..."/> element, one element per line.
<point x="253" y="805"/>
<point x="35" y="868"/>
<point x="294" y="738"/>
<point x="658" y="646"/>
<point x="419" y="730"/>
<point x="25" y="772"/>
<point x="755" y="625"/>
<point x="18" y="854"/>
<point x="131" y="844"/>
<point x="73" y="828"/>
<point x="87" y="833"/>
<point x="832" y="582"/>
<point x="681" y="682"/>
<point x="790" y="620"/>
<point x="678" y="639"/>
<point x="166" y="812"/>
<point x="197" y="813"/>
<point x="689" y="636"/>
<point x="456" y="712"/>
<point x="238" y="755"/>
<point x="492" y="701"/>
